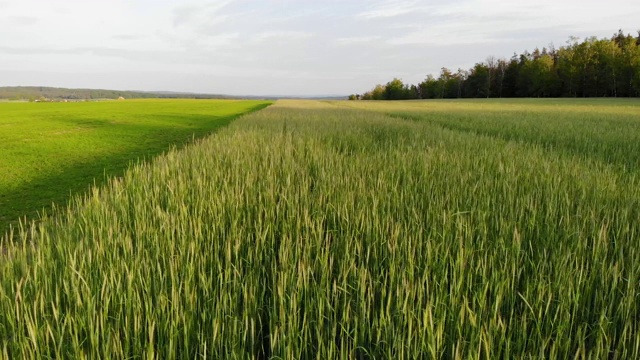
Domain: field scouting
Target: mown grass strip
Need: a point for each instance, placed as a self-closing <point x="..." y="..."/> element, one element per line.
<point x="52" y="150"/>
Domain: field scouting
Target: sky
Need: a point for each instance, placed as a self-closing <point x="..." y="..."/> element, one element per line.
<point x="279" y="47"/>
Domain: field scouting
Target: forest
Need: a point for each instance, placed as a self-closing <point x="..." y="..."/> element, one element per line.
<point x="607" y="67"/>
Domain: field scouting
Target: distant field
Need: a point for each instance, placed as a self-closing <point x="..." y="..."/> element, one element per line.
<point x="51" y="150"/>
<point x="493" y="229"/>
<point x="607" y="130"/>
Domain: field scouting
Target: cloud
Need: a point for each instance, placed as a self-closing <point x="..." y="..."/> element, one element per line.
<point x="126" y="37"/>
<point x="200" y="14"/>
<point x="494" y="21"/>
<point x="183" y="15"/>
<point x="390" y="9"/>
<point x="23" y="20"/>
<point x="357" y="40"/>
<point x="74" y="57"/>
<point x="284" y="35"/>
<point x="20" y="51"/>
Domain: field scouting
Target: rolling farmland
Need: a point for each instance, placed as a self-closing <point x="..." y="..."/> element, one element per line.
<point x="437" y="229"/>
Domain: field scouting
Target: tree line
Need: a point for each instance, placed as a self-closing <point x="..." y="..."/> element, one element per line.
<point x="607" y="67"/>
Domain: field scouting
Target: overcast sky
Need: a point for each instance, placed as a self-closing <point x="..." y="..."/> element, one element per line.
<point x="279" y="47"/>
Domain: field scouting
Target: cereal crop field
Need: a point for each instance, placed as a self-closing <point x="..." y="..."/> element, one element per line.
<point x="333" y="229"/>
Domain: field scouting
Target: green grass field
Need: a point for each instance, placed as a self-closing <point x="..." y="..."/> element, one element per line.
<point x="52" y="150"/>
<point x="400" y="230"/>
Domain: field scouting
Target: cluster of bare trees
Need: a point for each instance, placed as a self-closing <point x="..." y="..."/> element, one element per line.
<point x="608" y="67"/>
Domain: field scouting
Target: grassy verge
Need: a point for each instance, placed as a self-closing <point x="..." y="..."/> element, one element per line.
<point x="312" y="231"/>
